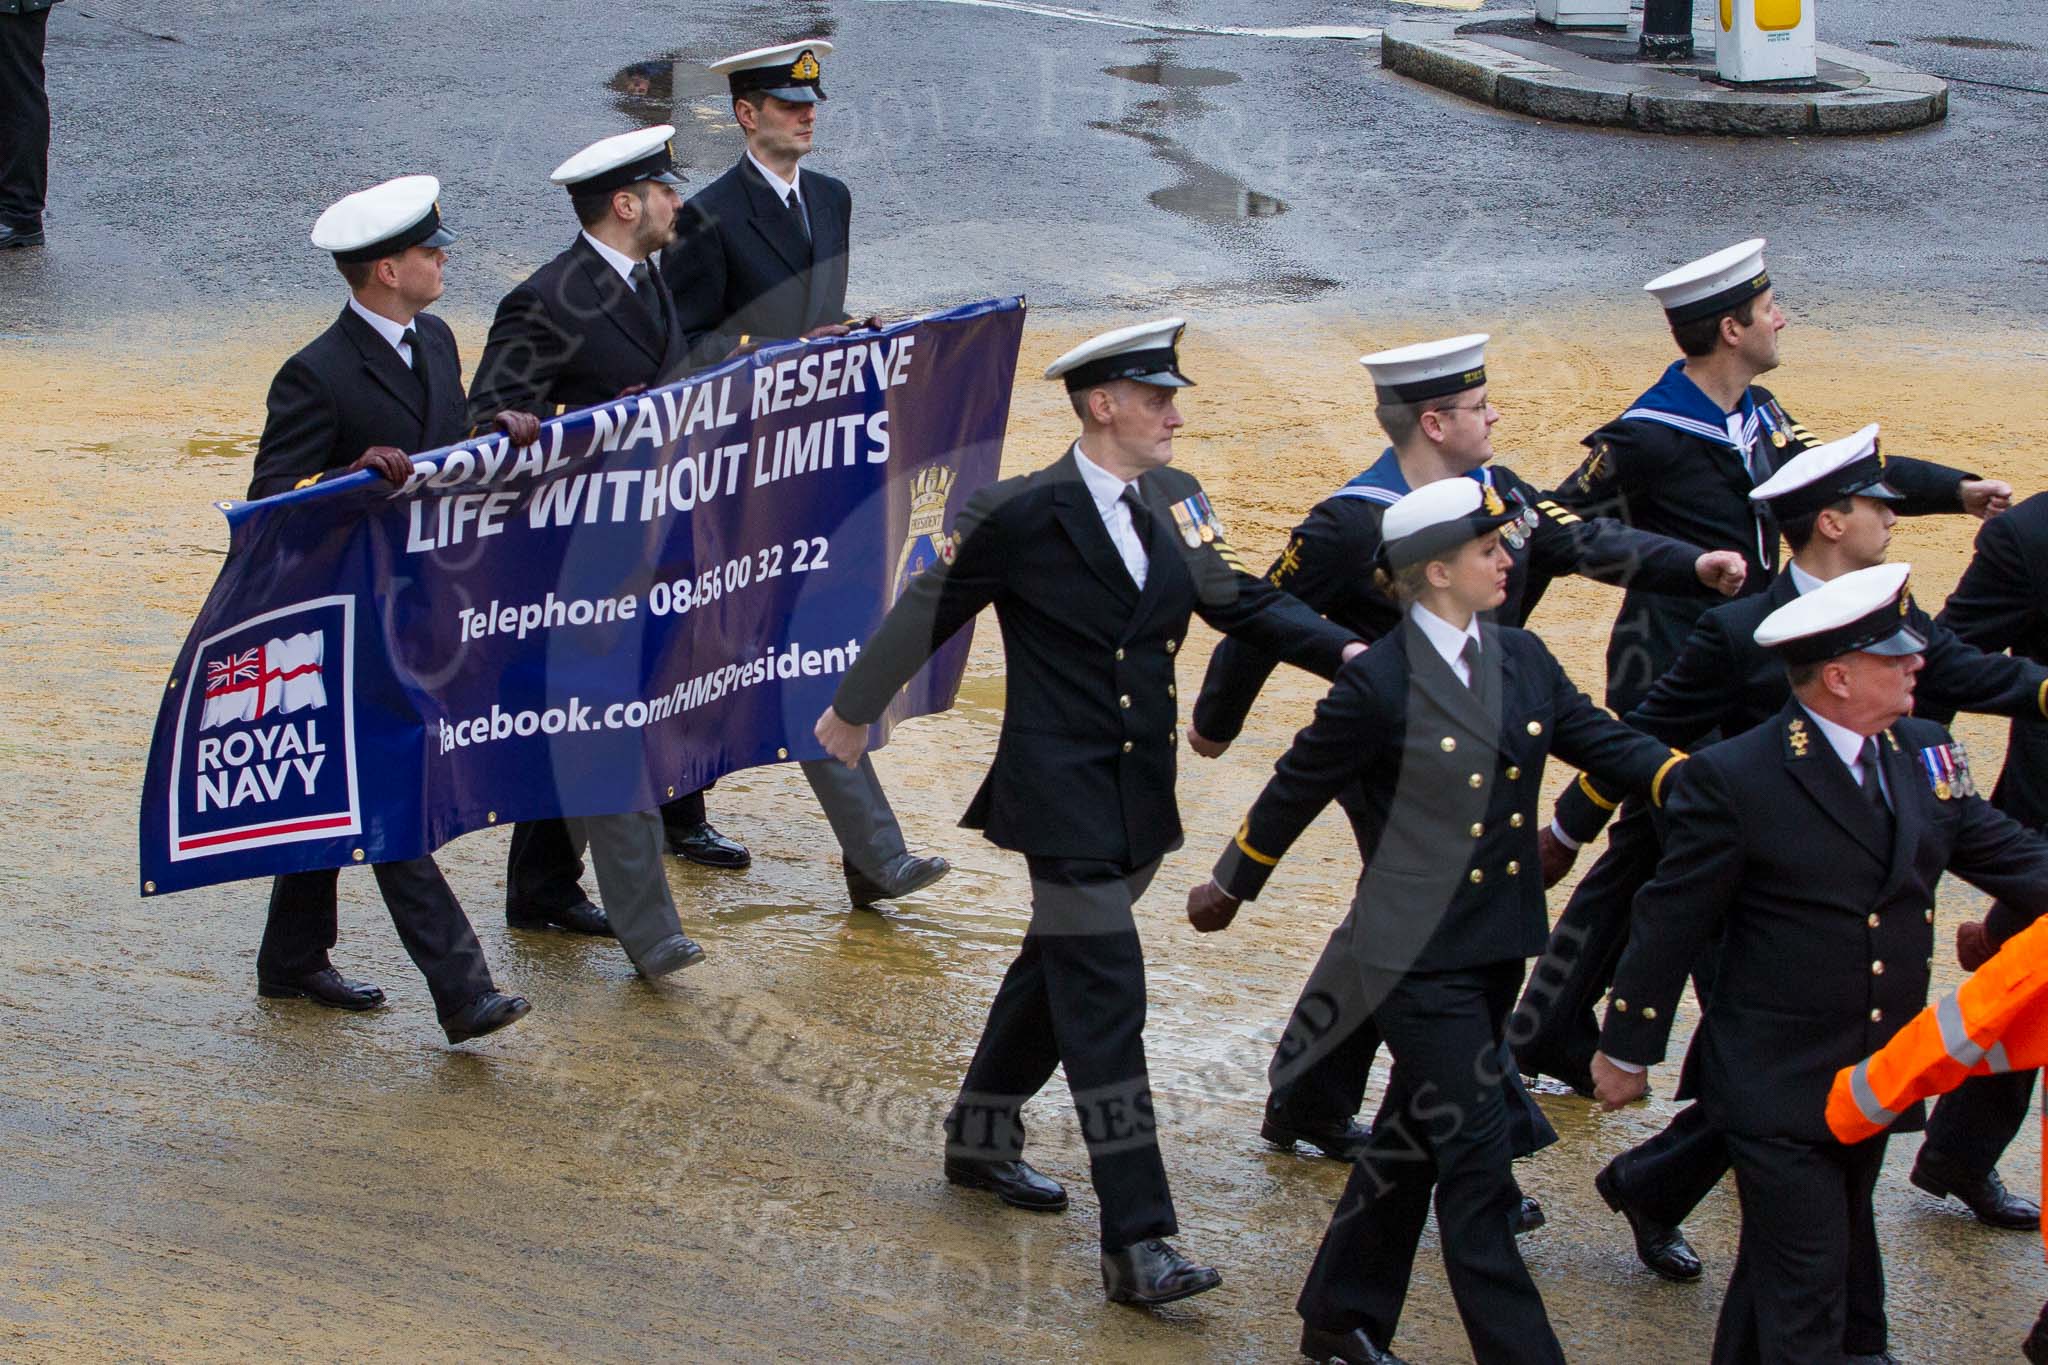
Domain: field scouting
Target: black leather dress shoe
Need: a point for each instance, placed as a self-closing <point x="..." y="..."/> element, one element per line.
<point x="1529" y="1216"/>
<point x="1985" y="1195"/>
<point x="324" y="987"/>
<point x="17" y="234"/>
<point x="1016" y="1183"/>
<point x="581" y="918"/>
<point x="487" y="1013"/>
<point x="1880" y="1358"/>
<point x="1337" y="1141"/>
<point x="1344" y="1348"/>
<point x="702" y="844"/>
<point x="1659" y="1246"/>
<point x="1153" y="1273"/>
<point x="672" y="954"/>
<point x="900" y="876"/>
<point x="2035" y="1347"/>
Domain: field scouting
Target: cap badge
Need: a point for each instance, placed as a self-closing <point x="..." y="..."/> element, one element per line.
<point x="806" y="68"/>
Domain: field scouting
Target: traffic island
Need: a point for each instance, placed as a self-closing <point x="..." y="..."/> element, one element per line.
<point x="1512" y="62"/>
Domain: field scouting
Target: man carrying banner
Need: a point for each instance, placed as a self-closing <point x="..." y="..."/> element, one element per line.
<point x="760" y="254"/>
<point x="383" y="380"/>
<point x="595" y="322"/>
<point x="1094" y="565"/>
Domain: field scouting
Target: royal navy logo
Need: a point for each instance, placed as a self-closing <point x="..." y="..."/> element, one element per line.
<point x="265" y="748"/>
<point x="928" y="544"/>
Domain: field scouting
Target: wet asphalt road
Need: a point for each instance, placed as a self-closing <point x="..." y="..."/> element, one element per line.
<point x="744" y="1165"/>
<point x="1085" y="165"/>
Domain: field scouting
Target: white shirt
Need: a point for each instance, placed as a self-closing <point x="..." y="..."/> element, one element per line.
<point x="1848" y="746"/>
<point x="393" y="332"/>
<point x="1801" y="579"/>
<point x="617" y="260"/>
<point x="783" y="188"/>
<point x="1108" y="490"/>
<point x="1446" y="638"/>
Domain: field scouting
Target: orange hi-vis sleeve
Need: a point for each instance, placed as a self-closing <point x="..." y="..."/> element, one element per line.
<point x="1995" y="1021"/>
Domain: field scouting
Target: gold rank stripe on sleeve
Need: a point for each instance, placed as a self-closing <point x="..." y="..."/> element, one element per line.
<point x="1594" y="794"/>
<point x="1229" y="556"/>
<point x="306" y="482"/>
<point x="1250" y="852"/>
<point x="1657" y="783"/>
<point x="1561" y="515"/>
<point x="2041" y="699"/>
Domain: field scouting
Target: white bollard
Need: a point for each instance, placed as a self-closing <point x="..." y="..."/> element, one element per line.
<point x="1764" y="40"/>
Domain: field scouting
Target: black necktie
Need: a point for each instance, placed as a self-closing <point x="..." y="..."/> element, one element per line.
<point x="1141" y="517"/>
<point x="1873" y="785"/>
<point x="419" y="361"/>
<point x="796" y="209"/>
<point x="1470" y="654"/>
<point x="647" y="288"/>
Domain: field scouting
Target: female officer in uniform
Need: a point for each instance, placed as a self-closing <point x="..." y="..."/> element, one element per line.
<point x="1444" y="724"/>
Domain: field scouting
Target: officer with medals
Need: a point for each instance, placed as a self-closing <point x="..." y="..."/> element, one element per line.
<point x="1811" y="846"/>
<point x="1440" y="731"/>
<point x="1683" y="457"/>
<point x="593" y="324"/>
<point x="1834" y="506"/>
<point x="761" y="254"/>
<point x="1093" y="590"/>
<point x="384" y="379"/>
<point x="1434" y="405"/>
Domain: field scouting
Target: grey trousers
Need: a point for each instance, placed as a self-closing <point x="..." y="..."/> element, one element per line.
<point x="858" y="809"/>
<point x="626" y="851"/>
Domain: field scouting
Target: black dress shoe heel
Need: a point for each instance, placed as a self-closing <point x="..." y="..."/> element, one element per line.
<point x="1660" y="1247"/>
<point x="1344" y="1348"/>
<point x="1984" y="1195"/>
<point x="1152" y="1273"/>
<point x="14" y="235"/>
<point x="325" y="987"/>
<point x="1016" y="1183"/>
<point x="487" y="1013"/>
<point x="581" y="918"/>
<point x="1338" y="1142"/>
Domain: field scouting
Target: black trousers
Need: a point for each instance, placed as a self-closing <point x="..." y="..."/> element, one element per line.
<point x="1075" y="996"/>
<point x="24" y="120"/>
<point x="1808" y="1253"/>
<point x="1973" y="1124"/>
<point x="1324" y="1058"/>
<point x="544" y="866"/>
<point x="1441" y="1130"/>
<point x="685" y="813"/>
<point x="303" y="925"/>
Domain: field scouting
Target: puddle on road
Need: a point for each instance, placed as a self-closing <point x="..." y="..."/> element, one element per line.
<point x="1175" y="77"/>
<point x="1974" y="44"/>
<point x="1205" y="193"/>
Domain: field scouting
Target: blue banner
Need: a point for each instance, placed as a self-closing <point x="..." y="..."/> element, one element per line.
<point x="657" y="592"/>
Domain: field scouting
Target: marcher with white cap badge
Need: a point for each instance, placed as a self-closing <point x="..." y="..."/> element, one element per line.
<point x="593" y="324"/>
<point x="383" y="380"/>
<point x="1811" y="845"/>
<point x="1440" y="733"/>
<point x="1435" y="406"/>
<point x="763" y="248"/>
<point x="1094" y="565"/>
<point x="1834" y="507"/>
<point x="1683" y="457"/>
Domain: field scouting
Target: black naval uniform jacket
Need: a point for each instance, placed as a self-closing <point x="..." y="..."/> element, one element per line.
<point x="1450" y="775"/>
<point x="1084" y="766"/>
<point x="1682" y="483"/>
<point x="1827" y="929"/>
<point x="572" y="335"/>
<point x="742" y="266"/>
<point x="1328" y="564"/>
<point x="1725" y="683"/>
<point x="346" y="391"/>
<point x="2002" y="603"/>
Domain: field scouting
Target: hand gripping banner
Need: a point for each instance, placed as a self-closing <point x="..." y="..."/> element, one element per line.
<point x="657" y="592"/>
